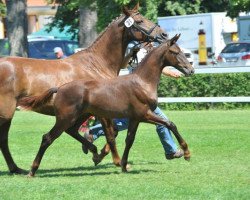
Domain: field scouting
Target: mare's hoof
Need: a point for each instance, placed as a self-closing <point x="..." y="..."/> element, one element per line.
<point x="18" y="170"/>
<point x="85" y="149"/>
<point x="187" y="158"/>
<point x="30" y="175"/>
<point x="126" y="169"/>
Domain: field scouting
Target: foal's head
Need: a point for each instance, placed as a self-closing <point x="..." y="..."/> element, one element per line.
<point x="141" y="29"/>
<point x="174" y="56"/>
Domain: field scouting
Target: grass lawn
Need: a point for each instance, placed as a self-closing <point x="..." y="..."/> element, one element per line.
<point x="219" y="168"/>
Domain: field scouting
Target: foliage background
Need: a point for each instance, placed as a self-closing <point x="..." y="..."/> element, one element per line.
<point x="205" y="85"/>
<point x="107" y="10"/>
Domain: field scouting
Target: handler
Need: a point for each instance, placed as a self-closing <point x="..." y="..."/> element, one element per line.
<point x="170" y="148"/>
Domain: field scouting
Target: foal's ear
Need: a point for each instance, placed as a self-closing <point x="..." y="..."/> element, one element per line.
<point x="173" y="49"/>
<point x="174" y="39"/>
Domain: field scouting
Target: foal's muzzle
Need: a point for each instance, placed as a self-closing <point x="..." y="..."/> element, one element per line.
<point x="187" y="71"/>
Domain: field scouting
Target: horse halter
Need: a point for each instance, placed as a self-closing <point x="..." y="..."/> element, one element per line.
<point x="132" y="24"/>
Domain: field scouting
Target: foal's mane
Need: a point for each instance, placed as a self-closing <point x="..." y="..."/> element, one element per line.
<point x="152" y="51"/>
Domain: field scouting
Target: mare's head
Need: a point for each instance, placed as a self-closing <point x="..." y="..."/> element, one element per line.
<point x="174" y="56"/>
<point x="141" y="29"/>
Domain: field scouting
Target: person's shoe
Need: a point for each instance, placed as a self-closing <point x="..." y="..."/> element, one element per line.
<point x="89" y="137"/>
<point x="178" y="154"/>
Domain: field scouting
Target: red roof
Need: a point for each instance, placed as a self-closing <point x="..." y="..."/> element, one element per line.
<point x="36" y="3"/>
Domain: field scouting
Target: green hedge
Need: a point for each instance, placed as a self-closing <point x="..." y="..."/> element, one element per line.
<point x="205" y="85"/>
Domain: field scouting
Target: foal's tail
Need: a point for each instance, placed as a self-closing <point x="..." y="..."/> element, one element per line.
<point x="31" y="102"/>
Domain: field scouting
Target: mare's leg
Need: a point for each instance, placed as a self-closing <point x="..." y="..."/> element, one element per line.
<point x="106" y="149"/>
<point x="4" y="147"/>
<point x="7" y="109"/>
<point x="120" y="125"/>
<point x="152" y="118"/>
<point x="132" y="128"/>
<point x="110" y="134"/>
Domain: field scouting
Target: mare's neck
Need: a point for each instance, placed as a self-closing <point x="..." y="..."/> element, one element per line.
<point x="109" y="49"/>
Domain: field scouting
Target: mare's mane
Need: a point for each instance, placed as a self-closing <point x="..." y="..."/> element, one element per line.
<point x="101" y="34"/>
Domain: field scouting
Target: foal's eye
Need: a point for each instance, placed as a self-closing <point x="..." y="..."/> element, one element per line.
<point x="174" y="52"/>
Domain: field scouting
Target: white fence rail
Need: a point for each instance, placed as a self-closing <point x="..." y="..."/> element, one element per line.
<point x="219" y="70"/>
<point x="202" y="99"/>
<point x="209" y="70"/>
<point x="206" y="70"/>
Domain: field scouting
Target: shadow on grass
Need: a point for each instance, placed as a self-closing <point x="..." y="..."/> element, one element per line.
<point x="85" y="171"/>
<point x="89" y="171"/>
<point x="5" y="173"/>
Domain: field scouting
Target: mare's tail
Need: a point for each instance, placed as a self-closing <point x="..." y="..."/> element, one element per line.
<point x="31" y="102"/>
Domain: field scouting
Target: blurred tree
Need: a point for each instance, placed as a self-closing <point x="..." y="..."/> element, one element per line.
<point x="237" y="6"/>
<point x="68" y="12"/>
<point x="87" y="24"/>
<point x="78" y="15"/>
<point x="17" y="27"/>
<point x="2" y="9"/>
<point x="179" y="7"/>
<point x="214" y="6"/>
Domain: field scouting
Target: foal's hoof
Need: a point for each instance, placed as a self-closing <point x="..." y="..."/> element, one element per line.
<point x="96" y="160"/>
<point x="187" y="155"/>
<point x="85" y="149"/>
<point x="18" y="170"/>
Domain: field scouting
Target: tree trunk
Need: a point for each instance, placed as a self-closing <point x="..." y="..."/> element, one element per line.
<point x="87" y="26"/>
<point x="17" y="27"/>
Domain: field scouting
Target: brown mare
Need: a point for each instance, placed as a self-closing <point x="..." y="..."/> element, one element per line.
<point x="20" y="77"/>
<point x="132" y="96"/>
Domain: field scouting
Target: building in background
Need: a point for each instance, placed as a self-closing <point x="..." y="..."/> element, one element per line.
<point x="39" y="14"/>
<point x="218" y="28"/>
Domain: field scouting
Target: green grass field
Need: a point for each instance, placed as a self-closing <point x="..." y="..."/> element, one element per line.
<point x="219" y="168"/>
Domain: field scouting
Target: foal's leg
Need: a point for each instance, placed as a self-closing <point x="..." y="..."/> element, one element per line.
<point x="73" y="132"/>
<point x="47" y="140"/>
<point x="152" y="118"/>
<point x="132" y="128"/>
<point x="109" y="131"/>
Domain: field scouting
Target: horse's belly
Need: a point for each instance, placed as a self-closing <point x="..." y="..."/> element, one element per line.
<point x="46" y="110"/>
<point x="109" y="111"/>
